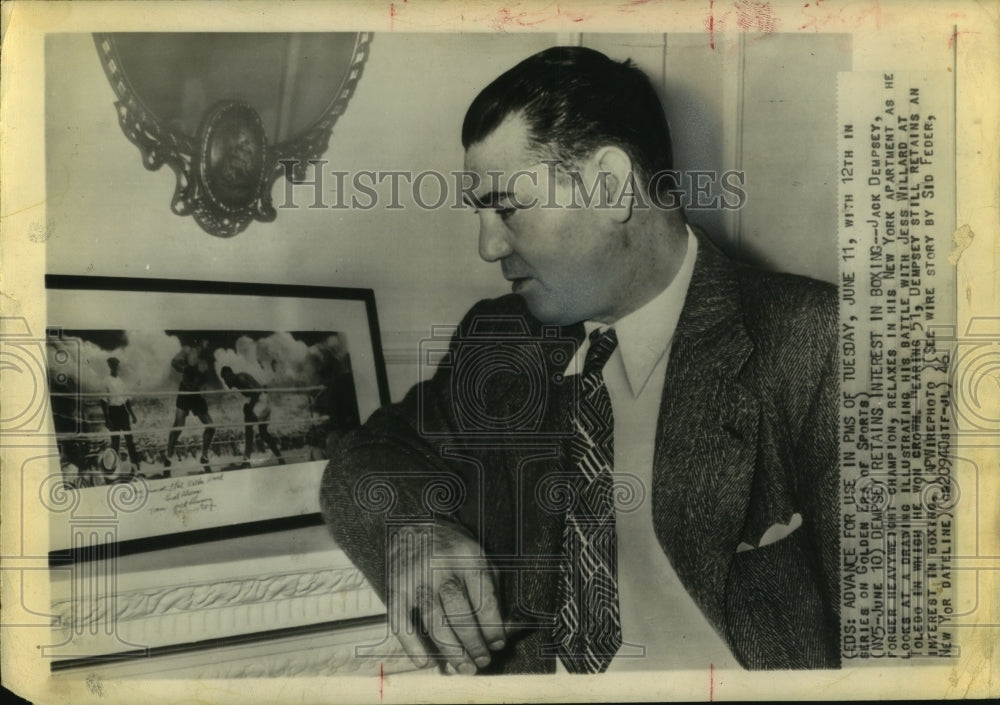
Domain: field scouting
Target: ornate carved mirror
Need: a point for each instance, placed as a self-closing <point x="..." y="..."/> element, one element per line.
<point x="230" y="112"/>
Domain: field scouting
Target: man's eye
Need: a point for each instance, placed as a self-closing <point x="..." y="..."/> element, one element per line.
<point x="505" y="213"/>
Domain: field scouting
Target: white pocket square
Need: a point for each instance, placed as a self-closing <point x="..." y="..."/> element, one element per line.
<point x="774" y="534"/>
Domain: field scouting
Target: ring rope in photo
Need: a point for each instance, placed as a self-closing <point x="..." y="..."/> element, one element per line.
<point x="175" y="393"/>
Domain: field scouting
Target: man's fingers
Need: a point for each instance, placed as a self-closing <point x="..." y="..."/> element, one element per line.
<point x="413" y="646"/>
<point x="401" y="624"/>
<point x="450" y="586"/>
<point x="459" y="613"/>
<point x="482" y="595"/>
<point x="441" y="633"/>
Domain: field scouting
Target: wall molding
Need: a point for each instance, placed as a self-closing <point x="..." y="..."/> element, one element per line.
<point x="76" y="614"/>
<point x="329" y="661"/>
<point x="326" y="653"/>
<point x="114" y="607"/>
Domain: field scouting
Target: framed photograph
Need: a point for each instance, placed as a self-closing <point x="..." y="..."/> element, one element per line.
<point x="207" y="404"/>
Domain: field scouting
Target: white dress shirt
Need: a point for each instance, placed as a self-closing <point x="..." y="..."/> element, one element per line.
<point x="662" y="627"/>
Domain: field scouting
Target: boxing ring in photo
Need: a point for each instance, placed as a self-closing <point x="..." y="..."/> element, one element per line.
<point x="190" y="423"/>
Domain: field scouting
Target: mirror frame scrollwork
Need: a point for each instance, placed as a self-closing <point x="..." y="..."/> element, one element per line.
<point x="226" y="172"/>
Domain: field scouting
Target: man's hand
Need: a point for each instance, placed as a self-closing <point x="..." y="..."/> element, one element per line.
<point x="439" y="579"/>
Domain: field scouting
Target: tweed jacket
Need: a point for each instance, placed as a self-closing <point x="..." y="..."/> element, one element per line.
<point x="745" y="441"/>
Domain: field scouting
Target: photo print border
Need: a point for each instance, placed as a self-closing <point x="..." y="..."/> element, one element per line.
<point x="152" y="509"/>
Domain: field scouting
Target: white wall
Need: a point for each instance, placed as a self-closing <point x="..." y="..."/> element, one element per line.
<point x="765" y="105"/>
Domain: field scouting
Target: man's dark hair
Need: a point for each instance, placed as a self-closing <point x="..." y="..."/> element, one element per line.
<point x="575" y="100"/>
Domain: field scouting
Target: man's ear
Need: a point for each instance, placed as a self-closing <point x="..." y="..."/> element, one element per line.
<point x="614" y="171"/>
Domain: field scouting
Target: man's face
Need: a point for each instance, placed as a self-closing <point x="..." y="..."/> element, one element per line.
<point x="561" y="258"/>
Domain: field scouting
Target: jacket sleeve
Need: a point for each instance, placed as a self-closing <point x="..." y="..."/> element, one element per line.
<point x="391" y="471"/>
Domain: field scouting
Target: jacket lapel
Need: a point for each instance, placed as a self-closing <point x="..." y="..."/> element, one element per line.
<point x="706" y="435"/>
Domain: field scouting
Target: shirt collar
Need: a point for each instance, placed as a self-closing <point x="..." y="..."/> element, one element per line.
<point x="644" y="335"/>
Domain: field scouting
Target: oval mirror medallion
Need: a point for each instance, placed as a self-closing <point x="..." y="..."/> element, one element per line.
<point x="231" y="112"/>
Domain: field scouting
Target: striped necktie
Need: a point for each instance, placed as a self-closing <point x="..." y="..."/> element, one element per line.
<point x="588" y="628"/>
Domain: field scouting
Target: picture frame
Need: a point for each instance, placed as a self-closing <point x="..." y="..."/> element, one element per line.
<point x="303" y="362"/>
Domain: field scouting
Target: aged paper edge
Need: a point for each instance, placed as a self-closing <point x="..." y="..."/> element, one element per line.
<point x="973" y="27"/>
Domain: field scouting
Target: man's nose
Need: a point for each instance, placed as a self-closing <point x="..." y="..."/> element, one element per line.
<point x="493" y="243"/>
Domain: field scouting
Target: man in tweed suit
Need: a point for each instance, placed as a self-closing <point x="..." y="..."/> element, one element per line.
<point x="723" y="385"/>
